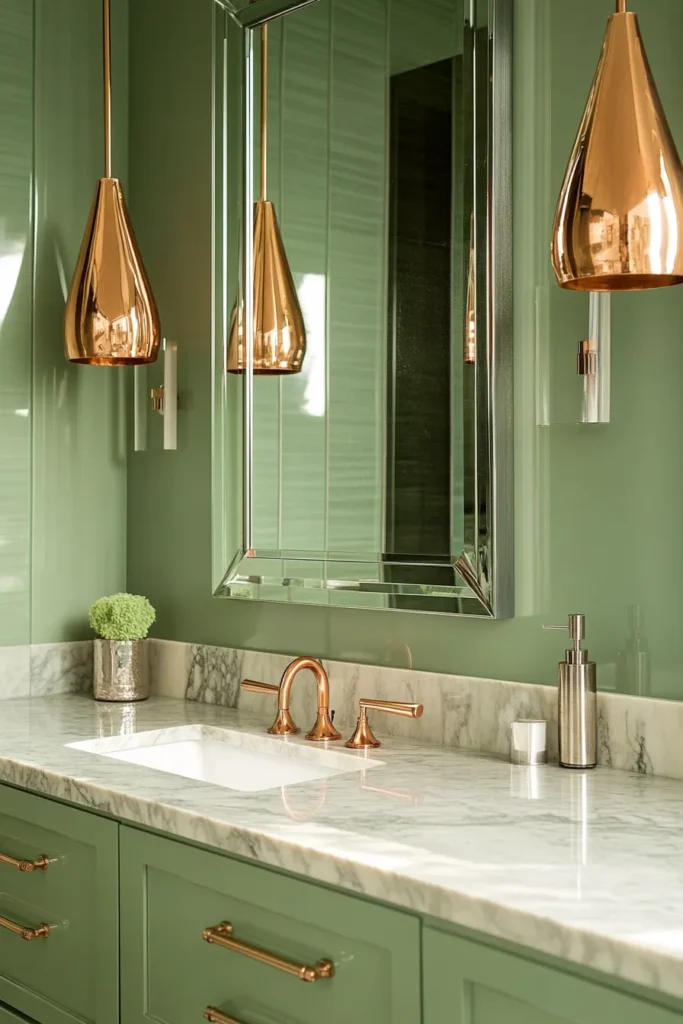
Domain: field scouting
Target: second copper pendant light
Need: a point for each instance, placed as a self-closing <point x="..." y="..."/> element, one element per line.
<point x="619" y="219"/>
<point x="279" y="333"/>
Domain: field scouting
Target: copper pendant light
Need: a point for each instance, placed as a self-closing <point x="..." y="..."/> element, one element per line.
<point x="619" y="219"/>
<point x="111" y="317"/>
<point x="279" y="332"/>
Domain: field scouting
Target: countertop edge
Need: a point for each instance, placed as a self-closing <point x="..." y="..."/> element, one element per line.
<point x="615" y="959"/>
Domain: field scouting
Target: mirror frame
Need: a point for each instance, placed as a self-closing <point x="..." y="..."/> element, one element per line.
<point x="486" y="567"/>
<point x="256" y="12"/>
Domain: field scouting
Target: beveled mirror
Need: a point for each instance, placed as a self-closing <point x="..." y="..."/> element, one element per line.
<point x="380" y="474"/>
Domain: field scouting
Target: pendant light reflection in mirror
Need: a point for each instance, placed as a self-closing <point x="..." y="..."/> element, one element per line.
<point x="111" y="316"/>
<point x="619" y="219"/>
<point x="279" y="342"/>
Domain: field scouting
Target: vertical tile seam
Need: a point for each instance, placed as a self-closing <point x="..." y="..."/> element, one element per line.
<point x="33" y="228"/>
<point x="328" y="232"/>
<point x="281" y="191"/>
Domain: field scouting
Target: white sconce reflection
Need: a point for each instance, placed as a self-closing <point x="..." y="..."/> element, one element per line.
<point x="312" y="299"/>
<point x="10" y="267"/>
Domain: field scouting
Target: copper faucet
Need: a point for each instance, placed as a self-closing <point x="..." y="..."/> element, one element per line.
<point x="284" y="724"/>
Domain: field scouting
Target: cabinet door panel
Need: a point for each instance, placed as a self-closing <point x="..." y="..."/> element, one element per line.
<point x="75" y="969"/>
<point x="488" y="1005"/>
<point x="8" y="1016"/>
<point x="171" y="892"/>
<point x="469" y="983"/>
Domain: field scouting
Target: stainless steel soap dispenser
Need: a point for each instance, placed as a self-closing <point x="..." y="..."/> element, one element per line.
<point x="577" y="710"/>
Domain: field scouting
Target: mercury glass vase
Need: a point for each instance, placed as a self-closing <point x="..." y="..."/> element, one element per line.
<point x="121" y="670"/>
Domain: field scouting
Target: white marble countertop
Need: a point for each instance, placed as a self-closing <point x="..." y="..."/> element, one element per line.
<point x="587" y="866"/>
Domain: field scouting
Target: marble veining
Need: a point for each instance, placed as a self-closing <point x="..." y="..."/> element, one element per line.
<point x="61" y="668"/>
<point x="212" y="675"/>
<point x="39" y="670"/>
<point x="15" y="671"/>
<point x="635" y="733"/>
<point x="586" y="866"/>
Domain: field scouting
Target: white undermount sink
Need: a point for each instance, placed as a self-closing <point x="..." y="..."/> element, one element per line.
<point x="226" y="757"/>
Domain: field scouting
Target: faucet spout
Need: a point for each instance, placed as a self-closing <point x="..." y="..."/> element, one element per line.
<point x="283" y="724"/>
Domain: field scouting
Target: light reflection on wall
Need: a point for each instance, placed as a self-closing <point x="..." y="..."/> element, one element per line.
<point x="312" y="298"/>
<point x="10" y="266"/>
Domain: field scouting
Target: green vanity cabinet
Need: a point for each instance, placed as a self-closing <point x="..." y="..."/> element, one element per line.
<point x="73" y="971"/>
<point x="132" y="912"/>
<point x="8" y="1016"/>
<point x="467" y="982"/>
<point x="171" y="893"/>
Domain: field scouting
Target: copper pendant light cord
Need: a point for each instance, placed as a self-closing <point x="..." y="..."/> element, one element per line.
<point x="264" y="111"/>
<point x="106" y="35"/>
<point x="621" y="6"/>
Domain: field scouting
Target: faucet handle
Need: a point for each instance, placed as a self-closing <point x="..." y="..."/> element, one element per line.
<point x="363" y="736"/>
<point x="255" y="687"/>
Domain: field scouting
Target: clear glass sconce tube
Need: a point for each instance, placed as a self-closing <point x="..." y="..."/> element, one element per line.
<point x="594" y="360"/>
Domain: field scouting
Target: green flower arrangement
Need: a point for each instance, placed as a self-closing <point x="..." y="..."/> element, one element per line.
<point x="122" y="617"/>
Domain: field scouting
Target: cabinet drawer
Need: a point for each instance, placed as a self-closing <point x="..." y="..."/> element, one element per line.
<point x="8" y="1016"/>
<point x="74" y="970"/>
<point x="171" y="893"/>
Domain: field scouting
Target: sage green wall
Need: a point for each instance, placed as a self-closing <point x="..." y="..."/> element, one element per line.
<point x="16" y="154"/>
<point x="62" y="453"/>
<point x="79" y="446"/>
<point x="599" y="509"/>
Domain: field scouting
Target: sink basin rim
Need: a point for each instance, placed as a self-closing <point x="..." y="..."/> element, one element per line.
<point x="215" y="754"/>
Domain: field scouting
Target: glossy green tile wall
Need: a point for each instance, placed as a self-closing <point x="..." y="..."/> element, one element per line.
<point x="62" y="454"/>
<point x="320" y="436"/>
<point x="318" y="474"/>
<point x="599" y="509"/>
<point x="79" y="456"/>
<point x="16" y="153"/>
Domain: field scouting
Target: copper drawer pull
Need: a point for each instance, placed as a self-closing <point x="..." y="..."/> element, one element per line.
<point x="41" y="932"/>
<point x="221" y="935"/>
<point x="42" y="864"/>
<point x="216" y="1017"/>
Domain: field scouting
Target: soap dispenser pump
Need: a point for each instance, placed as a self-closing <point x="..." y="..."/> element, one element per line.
<point x="577" y="711"/>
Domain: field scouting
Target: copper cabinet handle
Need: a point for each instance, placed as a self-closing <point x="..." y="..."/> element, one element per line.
<point x="222" y="935"/>
<point x="42" y="864"/>
<point x="41" y="932"/>
<point x="216" y="1017"/>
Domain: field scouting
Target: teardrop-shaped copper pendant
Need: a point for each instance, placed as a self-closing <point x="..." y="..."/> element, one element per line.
<point x="111" y="317"/>
<point x="279" y="332"/>
<point x="619" y="219"/>
<point x="279" y="344"/>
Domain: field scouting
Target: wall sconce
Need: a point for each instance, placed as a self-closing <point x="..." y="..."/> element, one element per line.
<point x="593" y="362"/>
<point x="163" y="400"/>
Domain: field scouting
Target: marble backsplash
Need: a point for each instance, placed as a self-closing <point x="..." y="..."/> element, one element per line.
<point x="41" y="670"/>
<point x="634" y="733"/>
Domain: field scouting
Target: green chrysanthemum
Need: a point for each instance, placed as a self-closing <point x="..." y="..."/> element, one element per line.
<point x="122" y="617"/>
